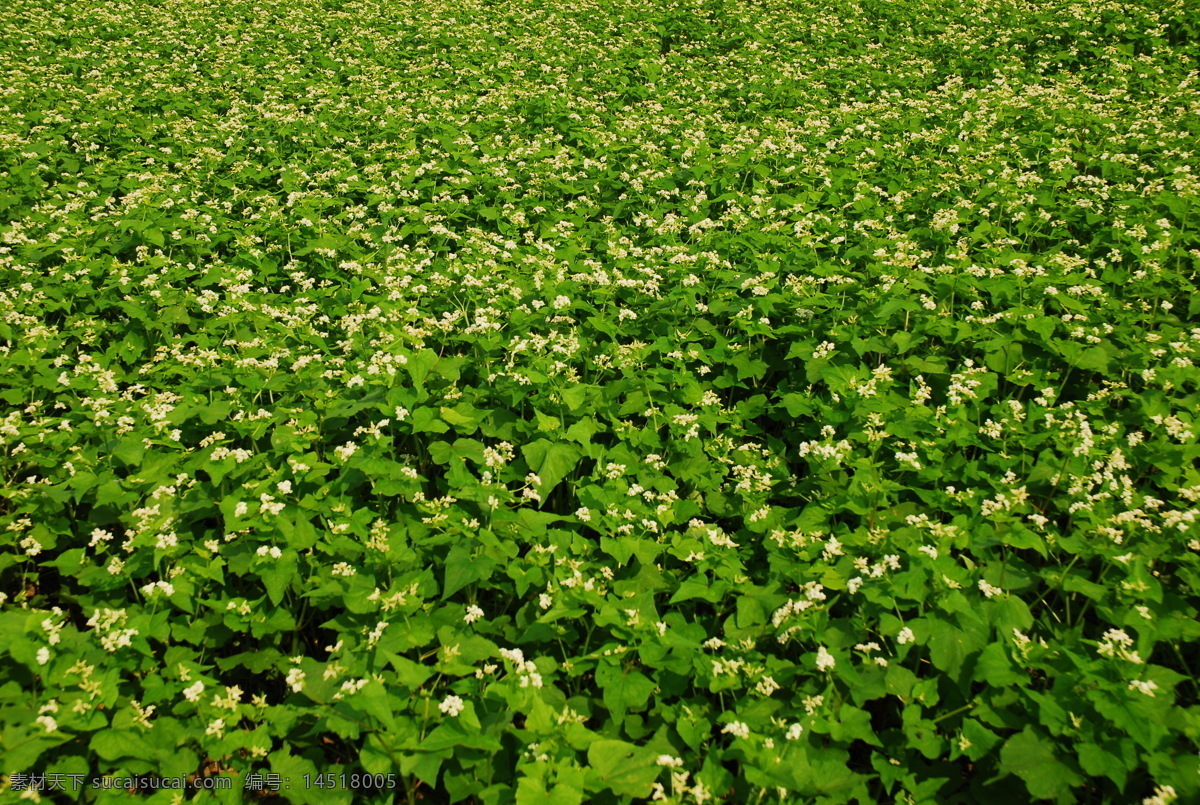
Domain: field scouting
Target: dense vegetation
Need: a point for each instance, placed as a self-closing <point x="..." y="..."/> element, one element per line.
<point x="767" y="401"/>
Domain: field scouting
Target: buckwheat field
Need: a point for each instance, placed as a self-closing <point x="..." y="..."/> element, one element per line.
<point x="518" y="401"/>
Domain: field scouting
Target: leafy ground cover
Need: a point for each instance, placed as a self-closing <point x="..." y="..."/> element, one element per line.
<point x="745" y="402"/>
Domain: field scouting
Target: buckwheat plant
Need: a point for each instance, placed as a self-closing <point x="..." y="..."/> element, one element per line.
<point x="607" y="402"/>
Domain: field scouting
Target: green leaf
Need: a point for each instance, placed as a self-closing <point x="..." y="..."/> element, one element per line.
<point x="277" y="575"/>
<point x="1076" y="583"/>
<point x="460" y="570"/>
<point x="547" y="423"/>
<point x="463" y="417"/>
<point x="1004" y="355"/>
<point x="427" y="420"/>
<point x="798" y="405"/>
<point x="69" y="561"/>
<point x="575" y="397"/>
<point x="1096" y="761"/>
<point x="903" y="341"/>
<point x="374" y="756"/>
<point x="694" y="588"/>
<point x="623" y="690"/>
<point x="294" y="768"/>
<point x="1018" y="536"/>
<point x="996" y="668"/>
<point x="24" y="750"/>
<point x="130" y="451"/>
<point x="1032" y="758"/>
<point x="113" y="744"/>
<point x="980" y="739"/>
<point x="853" y="724"/>
<point x="921" y="733"/>
<point x="750" y="612"/>
<point x="419" y="367"/>
<point x="374" y="701"/>
<point x="582" y="431"/>
<point x="622" y="767"/>
<point x="409" y="673"/>
<point x="563" y="794"/>
<point x="1010" y="612"/>
<point x="531" y="791"/>
<point x="949" y="646"/>
<point x="551" y="461"/>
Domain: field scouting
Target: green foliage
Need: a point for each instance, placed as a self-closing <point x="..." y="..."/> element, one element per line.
<point x="556" y="403"/>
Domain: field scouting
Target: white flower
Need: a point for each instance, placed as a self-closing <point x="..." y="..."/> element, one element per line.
<point x="1163" y="795"/>
<point x="988" y="590"/>
<point x="1145" y="687"/>
<point x="47" y="722"/>
<point x="474" y="613"/>
<point x="906" y="636"/>
<point x="43" y="655"/>
<point x="216" y="727"/>
<point x="825" y="660"/>
<point x="766" y="686"/>
<point x="192" y="693"/>
<point x="794" y="731"/>
<point x="737" y="728"/>
<point x="672" y="762"/>
<point x="295" y="680"/>
<point x="451" y="706"/>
